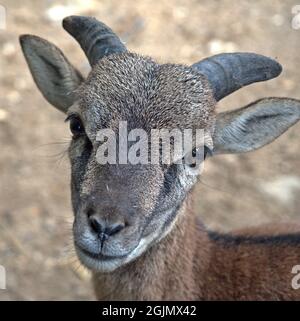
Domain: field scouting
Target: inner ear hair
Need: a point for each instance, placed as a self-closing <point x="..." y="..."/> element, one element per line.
<point x="53" y="74"/>
<point x="254" y="125"/>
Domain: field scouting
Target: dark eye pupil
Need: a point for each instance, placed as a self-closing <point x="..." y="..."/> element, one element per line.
<point x="194" y="154"/>
<point x="76" y="127"/>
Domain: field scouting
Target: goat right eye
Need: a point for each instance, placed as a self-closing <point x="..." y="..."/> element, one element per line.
<point x="76" y="127"/>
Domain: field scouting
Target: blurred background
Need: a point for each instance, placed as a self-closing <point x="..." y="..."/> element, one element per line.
<point x="234" y="192"/>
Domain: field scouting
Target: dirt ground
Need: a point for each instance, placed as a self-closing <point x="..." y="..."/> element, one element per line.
<point x="235" y="190"/>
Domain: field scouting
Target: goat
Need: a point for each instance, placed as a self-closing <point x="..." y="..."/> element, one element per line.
<point x="133" y="226"/>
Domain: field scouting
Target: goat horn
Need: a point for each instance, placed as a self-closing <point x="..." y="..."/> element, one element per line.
<point x="229" y="72"/>
<point x="95" y="38"/>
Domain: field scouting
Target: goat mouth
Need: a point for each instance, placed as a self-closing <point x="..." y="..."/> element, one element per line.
<point x="99" y="256"/>
<point x="101" y="263"/>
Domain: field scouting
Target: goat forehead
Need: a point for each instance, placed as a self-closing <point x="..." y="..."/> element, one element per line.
<point x="145" y="94"/>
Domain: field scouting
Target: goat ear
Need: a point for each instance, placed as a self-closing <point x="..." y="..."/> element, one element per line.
<point x="255" y="125"/>
<point x="52" y="72"/>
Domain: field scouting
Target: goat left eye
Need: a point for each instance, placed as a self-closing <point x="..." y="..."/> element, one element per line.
<point x="76" y="127"/>
<point x="197" y="153"/>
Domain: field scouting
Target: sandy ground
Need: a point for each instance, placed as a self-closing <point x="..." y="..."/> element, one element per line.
<point x="235" y="191"/>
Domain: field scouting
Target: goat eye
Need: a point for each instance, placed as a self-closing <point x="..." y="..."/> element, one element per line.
<point x="76" y="127"/>
<point x="196" y="152"/>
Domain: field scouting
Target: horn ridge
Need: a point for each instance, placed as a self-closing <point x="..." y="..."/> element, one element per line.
<point x="95" y="38"/>
<point x="229" y="72"/>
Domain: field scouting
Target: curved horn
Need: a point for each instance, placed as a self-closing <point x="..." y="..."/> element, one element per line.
<point x="230" y="71"/>
<point x="95" y="38"/>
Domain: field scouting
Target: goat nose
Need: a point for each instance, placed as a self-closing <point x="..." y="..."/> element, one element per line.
<point x="102" y="227"/>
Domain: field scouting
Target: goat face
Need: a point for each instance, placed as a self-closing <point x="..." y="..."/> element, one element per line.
<point x="121" y="209"/>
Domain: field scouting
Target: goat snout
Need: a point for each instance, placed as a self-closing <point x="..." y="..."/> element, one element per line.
<point x="105" y="228"/>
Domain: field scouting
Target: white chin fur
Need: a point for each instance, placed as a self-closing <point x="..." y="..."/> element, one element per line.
<point x="105" y="266"/>
<point x="96" y="264"/>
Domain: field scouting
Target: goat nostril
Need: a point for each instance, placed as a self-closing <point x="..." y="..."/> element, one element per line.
<point x="101" y="228"/>
<point x="114" y="229"/>
<point x="95" y="224"/>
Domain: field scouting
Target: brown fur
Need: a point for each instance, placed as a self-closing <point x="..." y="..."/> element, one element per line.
<point x="188" y="264"/>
